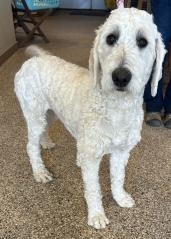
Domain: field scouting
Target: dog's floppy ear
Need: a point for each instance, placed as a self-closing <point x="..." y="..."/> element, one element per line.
<point x="158" y="66"/>
<point x="94" y="64"/>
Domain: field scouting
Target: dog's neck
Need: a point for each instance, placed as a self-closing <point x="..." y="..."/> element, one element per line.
<point x="117" y="99"/>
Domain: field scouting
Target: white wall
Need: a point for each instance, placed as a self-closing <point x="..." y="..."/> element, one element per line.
<point x="7" y="34"/>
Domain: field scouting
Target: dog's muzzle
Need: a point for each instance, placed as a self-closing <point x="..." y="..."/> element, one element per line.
<point x="121" y="77"/>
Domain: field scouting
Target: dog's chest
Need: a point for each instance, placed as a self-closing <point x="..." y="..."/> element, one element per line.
<point x="120" y="128"/>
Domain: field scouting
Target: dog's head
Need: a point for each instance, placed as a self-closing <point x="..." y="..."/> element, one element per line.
<point x="126" y="49"/>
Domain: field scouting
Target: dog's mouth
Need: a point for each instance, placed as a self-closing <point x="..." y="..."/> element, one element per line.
<point x="122" y="89"/>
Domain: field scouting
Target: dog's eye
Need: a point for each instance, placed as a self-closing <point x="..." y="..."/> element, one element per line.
<point x="142" y="42"/>
<point x="112" y="39"/>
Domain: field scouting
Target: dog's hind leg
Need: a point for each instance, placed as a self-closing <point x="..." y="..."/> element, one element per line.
<point x="118" y="162"/>
<point x="36" y="127"/>
<point x="45" y="139"/>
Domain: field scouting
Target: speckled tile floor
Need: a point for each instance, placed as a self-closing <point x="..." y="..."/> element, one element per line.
<point x="57" y="210"/>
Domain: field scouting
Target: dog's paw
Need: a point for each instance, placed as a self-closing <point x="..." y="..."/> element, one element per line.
<point x="78" y="163"/>
<point x="47" y="144"/>
<point x="124" y="199"/>
<point x="98" y="221"/>
<point x="42" y="176"/>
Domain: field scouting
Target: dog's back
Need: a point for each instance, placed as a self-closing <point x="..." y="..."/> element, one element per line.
<point x="54" y="83"/>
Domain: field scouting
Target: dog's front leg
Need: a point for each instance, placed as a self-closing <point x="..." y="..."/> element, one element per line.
<point x="118" y="162"/>
<point x="90" y="169"/>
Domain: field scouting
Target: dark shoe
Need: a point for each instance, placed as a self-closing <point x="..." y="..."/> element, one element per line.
<point x="153" y="119"/>
<point x="167" y="121"/>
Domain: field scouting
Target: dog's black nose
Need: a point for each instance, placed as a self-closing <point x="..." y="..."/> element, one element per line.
<point x="121" y="77"/>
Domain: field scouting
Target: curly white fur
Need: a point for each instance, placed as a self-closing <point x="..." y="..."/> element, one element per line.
<point x="102" y="119"/>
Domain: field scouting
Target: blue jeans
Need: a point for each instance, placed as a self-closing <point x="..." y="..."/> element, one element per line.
<point x="161" y="10"/>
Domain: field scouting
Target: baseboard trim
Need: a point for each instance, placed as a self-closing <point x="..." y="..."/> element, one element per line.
<point x="8" y="53"/>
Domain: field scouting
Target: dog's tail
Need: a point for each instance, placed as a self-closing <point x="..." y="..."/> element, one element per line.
<point x="34" y="50"/>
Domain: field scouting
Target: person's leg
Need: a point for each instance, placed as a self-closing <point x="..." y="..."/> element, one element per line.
<point x="167" y="106"/>
<point x="153" y="104"/>
<point x="167" y="100"/>
<point x="167" y="40"/>
<point x="161" y="12"/>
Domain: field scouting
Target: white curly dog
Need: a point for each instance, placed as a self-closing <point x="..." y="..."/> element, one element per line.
<point x="101" y="107"/>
